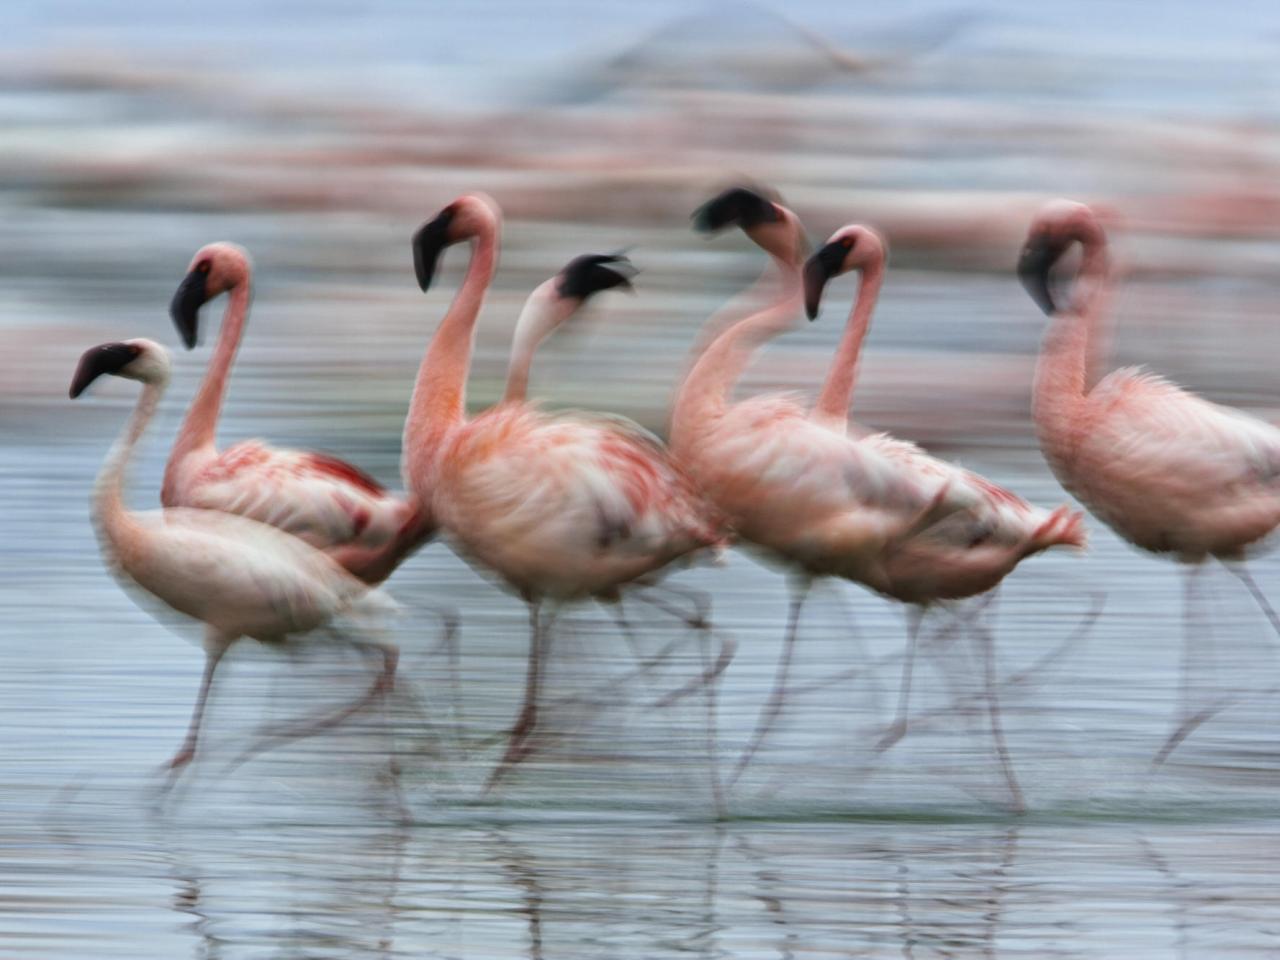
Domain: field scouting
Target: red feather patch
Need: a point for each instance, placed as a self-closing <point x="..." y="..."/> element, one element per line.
<point x="340" y="469"/>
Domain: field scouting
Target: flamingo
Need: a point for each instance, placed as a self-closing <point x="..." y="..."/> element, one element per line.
<point x="1168" y="471"/>
<point x="796" y="483"/>
<point x="329" y="503"/>
<point x="562" y="507"/>
<point x="239" y="577"/>
<point x="974" y="549"/>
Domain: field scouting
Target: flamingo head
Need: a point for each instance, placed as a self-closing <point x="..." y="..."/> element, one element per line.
<point x="557" y="300"/>
<point x="769" y="224"/>
<point x="143" y="360"/>
<point x="593" y="272"/>
<point x="215" y="269"/>
<point x="854" y="247"/>
<point x="1057" y="226"/>
<point x="466" y="217"/>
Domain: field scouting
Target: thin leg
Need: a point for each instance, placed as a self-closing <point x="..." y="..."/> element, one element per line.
<point x="700" y="621"/>
<point x="449" y="640"/>
<point x="993" y="709"/>
<point x="773" y="706"/>
<point x="380" y="688"/>
<point x="1187" y="719"/>
<point x="517" y="744"/>
<point x="629" y="634"/>
<point x="915" y="615"/>
<point x="643" y="664"/>
<point x="215" y="647"/>
<point x="713" y="759"/>
<point x="1241" y="571"/>
<point x="397" y="802"/>
<point x="698" y="599"/>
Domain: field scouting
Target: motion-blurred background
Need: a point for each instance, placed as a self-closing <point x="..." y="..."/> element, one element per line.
<point x="319" y="135"/>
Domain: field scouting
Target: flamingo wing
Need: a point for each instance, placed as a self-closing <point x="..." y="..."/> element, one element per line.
<point x="319" y="498"/>
<point x="239" y="574"/>
<point x="1166" y="467"/>
<point x="569" y="504"/>
<point x="986" y="513"/>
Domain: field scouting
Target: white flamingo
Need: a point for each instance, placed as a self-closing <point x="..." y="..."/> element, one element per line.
<point x="239" y="577"/>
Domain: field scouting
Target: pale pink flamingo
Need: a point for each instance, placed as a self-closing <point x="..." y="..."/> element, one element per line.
<point x="797" y="484"/>
<point x="562" y="507"/>
<point x="239" y="577"/>
<point x="331" y="504"/>
<point x="972" y="550"/>
<point x="1167" y="470"/>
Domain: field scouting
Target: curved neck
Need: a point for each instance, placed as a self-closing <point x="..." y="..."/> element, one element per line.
<point x="837" y="391"/>
<point x="1070" y="354"/>
<point x="201" y="423"/>
<point x="705" y="391"/>
<point x="439" y="394"/>
<point x="108" y="490"/>
<point x="542" y="313"/>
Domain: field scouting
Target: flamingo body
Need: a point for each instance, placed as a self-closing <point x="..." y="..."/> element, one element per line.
<point x="973" y="549"/>
<point x="242" y="577"/>
<point x="1169" y="471"/>
<point x="803" y="492"/>
<point x="323" y="500"/>
<point x="569" y="505"/>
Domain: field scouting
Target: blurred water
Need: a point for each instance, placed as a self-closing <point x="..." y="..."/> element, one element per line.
<point x="118" y="163"/>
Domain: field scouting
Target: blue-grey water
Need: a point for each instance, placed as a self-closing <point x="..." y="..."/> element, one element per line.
<point x="320" y="136"/>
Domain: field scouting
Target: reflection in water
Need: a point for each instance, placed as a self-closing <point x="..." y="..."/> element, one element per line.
<point x="305" y="893"/>
<point x="515" y="862"/>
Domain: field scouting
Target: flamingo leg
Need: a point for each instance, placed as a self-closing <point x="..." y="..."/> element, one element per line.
<point x="915" y="616"/>
<point x="700" y="619"/>
<point x="1187" y="719"/>
<point x="993" y="711"/>
<point x="215" y="645"/>
<point x="381" y="686"/>
<point x="1242" y="572"/>
<point x="518" y="747"/>
<point x="713" y="759"/>
<point x="773" y="706"/>
<point x="449" y="641"/>
<point x="629" y="634"/>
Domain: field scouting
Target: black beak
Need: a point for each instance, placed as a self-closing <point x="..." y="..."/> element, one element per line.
<point x="185" y="306"/>
<point x="94" y="362"/>
<point x="739" y="206"/>
<point x="1034" y="263"/>
<point x="820" y="268"/>
<point x="594" y="272"/>
<point x="432" y="237"/>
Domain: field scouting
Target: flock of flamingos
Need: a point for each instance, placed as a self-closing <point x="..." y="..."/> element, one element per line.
<point x="264" y="543"/>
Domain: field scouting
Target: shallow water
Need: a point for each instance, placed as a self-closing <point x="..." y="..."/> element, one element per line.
<point x="605" y="844"/>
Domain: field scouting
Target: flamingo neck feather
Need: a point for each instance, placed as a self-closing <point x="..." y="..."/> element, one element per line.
<point x="439" y="394"/>
<point x="542" y="313"/>
<point x="705" y="392"/>
<point x="199" y="428"/>
<point x="837" y="390"/>
<point x="108" y="491"/>
<point x="1070" y="356"/>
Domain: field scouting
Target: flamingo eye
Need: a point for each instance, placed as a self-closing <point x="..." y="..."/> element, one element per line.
<point x="848" y="242"/>
<point x="203" y="266"/>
